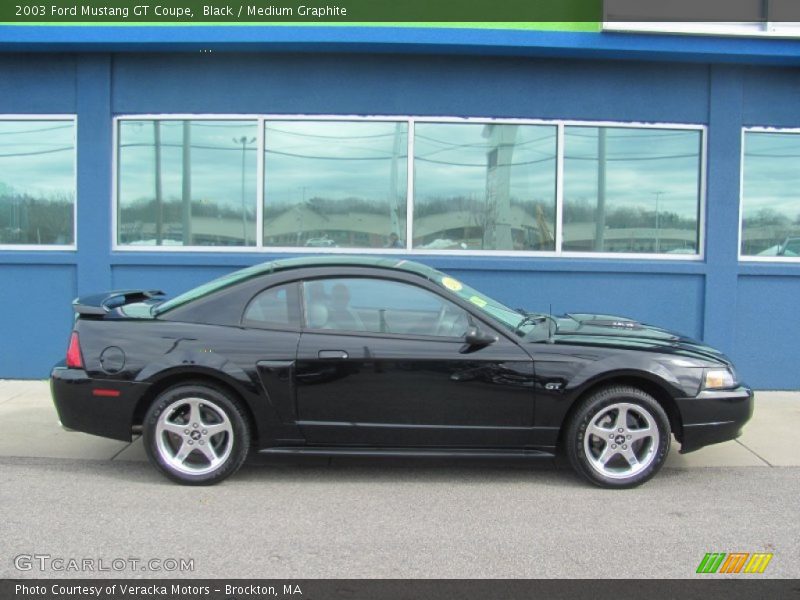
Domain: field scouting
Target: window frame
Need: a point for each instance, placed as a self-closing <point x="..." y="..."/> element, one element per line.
<point x="73" y="247"/>
<point x="411" y="121"/>
<point x="745" y="258"/>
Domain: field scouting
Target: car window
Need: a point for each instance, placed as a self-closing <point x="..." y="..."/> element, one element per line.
<point x="791" y="247"/>
<point x="275" y="307"/>
<point x="381" y="306"/>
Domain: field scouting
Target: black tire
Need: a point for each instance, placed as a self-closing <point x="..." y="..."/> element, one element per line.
<point x="601" y="412"/>
<point x="168" y="430"/>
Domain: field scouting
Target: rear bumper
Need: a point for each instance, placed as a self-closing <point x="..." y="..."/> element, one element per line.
<point x="714" y="416"/>
<point x="80" y="409"/>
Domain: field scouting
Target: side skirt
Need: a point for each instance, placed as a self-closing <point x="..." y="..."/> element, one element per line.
<point x="409" y="452"/>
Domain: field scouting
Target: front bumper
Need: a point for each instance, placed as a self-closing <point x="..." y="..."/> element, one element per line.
<point x="80" y="409"/>
<point x="714" y="416"/>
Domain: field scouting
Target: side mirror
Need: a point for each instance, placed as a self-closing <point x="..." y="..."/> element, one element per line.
<point x="477" y="338"/>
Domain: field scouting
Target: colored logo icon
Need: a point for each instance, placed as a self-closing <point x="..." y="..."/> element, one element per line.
<point x="734" y="562"/>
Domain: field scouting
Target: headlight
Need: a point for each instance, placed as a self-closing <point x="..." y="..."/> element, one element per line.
<point x="716" y="379"/>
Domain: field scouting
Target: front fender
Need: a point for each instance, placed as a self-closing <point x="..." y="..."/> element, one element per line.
<point x="641" y="367"/>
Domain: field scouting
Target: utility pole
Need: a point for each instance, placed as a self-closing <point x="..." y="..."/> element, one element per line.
<point x="394" y="196"/>
<point x="186" y="188"/>
<point x="244" y="141"/>
<point x="600" y="214"/>
<point x="158" y="191"/>
<point x="658" y="229"/>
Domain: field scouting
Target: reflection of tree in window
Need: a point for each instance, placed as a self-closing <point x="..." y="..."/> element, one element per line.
<point x="334" y="183"/>
<point x="631" y="190"/>
<point x="770" y="198"/>
<point x="486" y="187"/>
<point x="37" y="182"/>
<point x="174" y="182"/>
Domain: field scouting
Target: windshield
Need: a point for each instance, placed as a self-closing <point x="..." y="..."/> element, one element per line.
<point x="507" y="316"/>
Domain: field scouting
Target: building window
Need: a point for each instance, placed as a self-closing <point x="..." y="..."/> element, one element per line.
<point x="770" y="201"/>
<point x="392" y="184"/>
<point x="484" y="186"/>
<point x="631" y="190"/>
<point x="37" y="182"/>
<point x="335" y="184"/>
<point x="187" y="183"/>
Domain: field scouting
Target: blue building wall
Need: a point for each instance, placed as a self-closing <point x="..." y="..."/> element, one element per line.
<point x="748" y="310"/>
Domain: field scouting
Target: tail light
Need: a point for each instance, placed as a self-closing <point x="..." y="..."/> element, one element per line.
<point x="74" y="357"/>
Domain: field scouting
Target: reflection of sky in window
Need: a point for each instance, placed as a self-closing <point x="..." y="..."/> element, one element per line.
<point x="772" y="173"/>
<point x="333" y="160"/>
<point x="216" y="161"/>
<point x="450" y="160"/>
<point x="37" y="157"/>
<point x="640" y="163"/>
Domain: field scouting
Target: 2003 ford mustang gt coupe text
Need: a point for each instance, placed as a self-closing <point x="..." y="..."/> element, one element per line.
<point x="380" y="356"/>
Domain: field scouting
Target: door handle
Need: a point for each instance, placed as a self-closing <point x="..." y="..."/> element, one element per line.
<point x="339" y="354"/>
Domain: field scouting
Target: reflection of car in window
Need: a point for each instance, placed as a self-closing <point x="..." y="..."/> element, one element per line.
<point x="790" y="247"/>
<point x="381" y="356"/>
<point x="320" y="243"/>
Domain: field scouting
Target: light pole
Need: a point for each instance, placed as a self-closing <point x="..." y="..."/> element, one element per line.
<point x="658" y="231"/>
<point x="244" y="141"/>
<point x="300" y="230"/>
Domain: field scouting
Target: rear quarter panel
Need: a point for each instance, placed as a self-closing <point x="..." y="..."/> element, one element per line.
<point x="159" y="353"/>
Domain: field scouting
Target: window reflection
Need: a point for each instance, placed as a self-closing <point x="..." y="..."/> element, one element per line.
<point x="380" y="306"/>
<point x="189" y="183"/>
<point x="37" y="182"/>
<point x="335" y="184"/>
<point x="484" y="186"/>
<point x="771" y="210"/>
<point x="631" y="190"/>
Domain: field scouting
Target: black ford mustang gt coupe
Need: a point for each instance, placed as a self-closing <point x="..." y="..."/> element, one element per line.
<point x="382" y="356"/>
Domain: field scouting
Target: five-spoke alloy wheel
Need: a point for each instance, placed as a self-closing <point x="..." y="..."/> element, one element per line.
<point x="196" y="434"/>
<point x="618" y="437"/>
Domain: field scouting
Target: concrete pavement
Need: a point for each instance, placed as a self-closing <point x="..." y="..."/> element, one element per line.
<point x="29" y="428"/>
<point x="392" y="519"/>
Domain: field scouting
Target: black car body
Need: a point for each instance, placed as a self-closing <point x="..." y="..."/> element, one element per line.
<point x="384" y="356"/>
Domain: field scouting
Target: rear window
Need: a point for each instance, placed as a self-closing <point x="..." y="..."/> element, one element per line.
<point x="209" y="288"/>
<point x="275" y="307"/>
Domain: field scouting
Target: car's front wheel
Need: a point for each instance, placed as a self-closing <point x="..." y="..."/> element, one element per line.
<point x="619" y="437"/>
<point x="196" y="434"/>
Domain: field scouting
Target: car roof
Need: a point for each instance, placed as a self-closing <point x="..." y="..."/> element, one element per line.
<point x="286" y="264"/>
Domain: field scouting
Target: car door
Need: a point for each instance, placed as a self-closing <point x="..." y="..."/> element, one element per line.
<point x="384" y="363"/>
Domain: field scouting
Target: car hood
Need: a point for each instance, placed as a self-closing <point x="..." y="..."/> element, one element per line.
<point x="623" y="332"/>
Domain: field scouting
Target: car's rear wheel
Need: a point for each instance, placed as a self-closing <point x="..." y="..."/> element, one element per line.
<point x="196" y="434"/>
<point x="619" y="437"/>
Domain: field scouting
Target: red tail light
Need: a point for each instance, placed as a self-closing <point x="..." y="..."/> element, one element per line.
<point x="74" y="357"/>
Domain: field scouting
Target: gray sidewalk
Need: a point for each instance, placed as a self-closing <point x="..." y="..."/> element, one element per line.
<point x="29" y="428"/>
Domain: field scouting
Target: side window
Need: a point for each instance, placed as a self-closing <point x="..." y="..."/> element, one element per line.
<point x="380" y="306"/>
<point x="274" y="307"/>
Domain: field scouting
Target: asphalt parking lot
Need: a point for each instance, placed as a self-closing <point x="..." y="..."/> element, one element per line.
<point x="70" y="495"/>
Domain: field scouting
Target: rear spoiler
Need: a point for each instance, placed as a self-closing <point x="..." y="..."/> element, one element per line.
<point x="100" y="304"/>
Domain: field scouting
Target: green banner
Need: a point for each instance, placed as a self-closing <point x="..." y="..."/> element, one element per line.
<point x="248" y="12"/>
